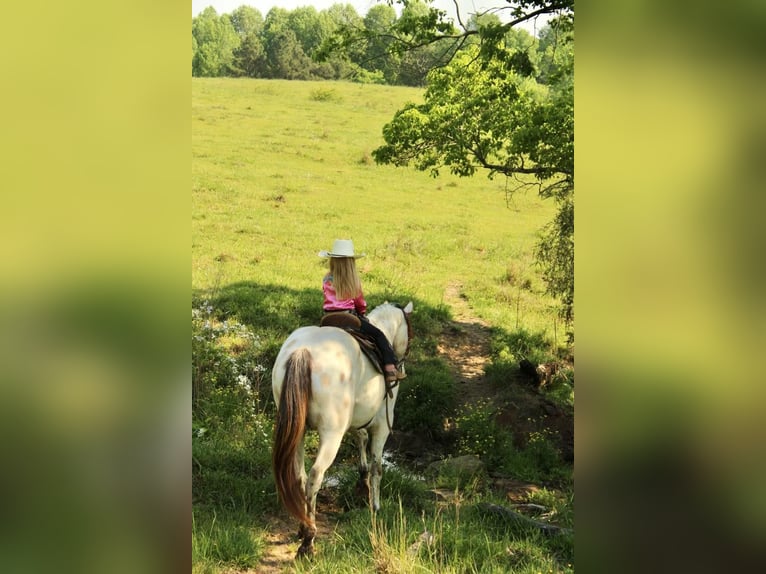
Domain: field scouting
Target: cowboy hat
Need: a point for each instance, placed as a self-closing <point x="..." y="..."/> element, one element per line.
<point x="341" y="248"/>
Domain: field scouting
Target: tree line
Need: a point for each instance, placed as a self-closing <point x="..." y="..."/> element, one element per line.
<point x="300" y="44"/>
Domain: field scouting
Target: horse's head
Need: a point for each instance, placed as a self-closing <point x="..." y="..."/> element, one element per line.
<point x="403" y="334"/>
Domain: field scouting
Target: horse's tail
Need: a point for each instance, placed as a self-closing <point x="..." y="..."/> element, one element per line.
<point x="289" y="428"/>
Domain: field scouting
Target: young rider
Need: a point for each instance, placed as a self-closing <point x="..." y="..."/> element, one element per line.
<point x="342" y="290"/>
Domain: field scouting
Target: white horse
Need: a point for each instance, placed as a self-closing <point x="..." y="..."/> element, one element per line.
<point x="322" y="380"/>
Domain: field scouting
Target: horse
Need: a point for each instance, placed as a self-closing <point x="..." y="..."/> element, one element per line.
<point x="321" y="380"/>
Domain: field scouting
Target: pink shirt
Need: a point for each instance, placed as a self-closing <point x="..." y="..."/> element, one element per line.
<point x="332" y="303"/>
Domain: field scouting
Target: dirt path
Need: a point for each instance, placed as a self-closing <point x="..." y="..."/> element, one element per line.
<point x="465" y="346"/>
<point x="280" y="550"/>
<point x="282" y="543"/>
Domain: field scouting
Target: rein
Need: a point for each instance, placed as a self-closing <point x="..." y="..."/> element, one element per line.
<point x="391" y="386"/>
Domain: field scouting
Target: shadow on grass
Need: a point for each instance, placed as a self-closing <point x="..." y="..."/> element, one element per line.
<point x="428" y="397"/>
<point x="274" y="311"/>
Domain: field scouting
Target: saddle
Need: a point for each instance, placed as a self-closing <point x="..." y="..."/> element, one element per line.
<point x="351" y="324"/>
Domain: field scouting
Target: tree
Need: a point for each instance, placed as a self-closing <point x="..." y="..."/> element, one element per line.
<point x="485" y="110"/>
<point x="339" y="64"/>
<point x="285" y="56"/>
<point x="216" y="41"/>
<point x="195" y="47"/>
<point x="308" y="28"/>
<point x="378" y="57"/>
<point x="247" y="21"/>
<point x="250" y="56"/>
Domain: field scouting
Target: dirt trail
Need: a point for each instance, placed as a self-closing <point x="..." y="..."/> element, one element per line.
<point x="282" y="543"/>
<point x="280" y="550"/>
<point x="466" y="345"/>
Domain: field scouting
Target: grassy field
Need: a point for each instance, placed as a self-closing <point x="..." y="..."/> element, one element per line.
<point x="279" y="170"/>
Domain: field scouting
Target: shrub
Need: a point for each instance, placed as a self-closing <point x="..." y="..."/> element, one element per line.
<point x="480" y="434"/>
<point x="426" y="398"/>
<point x="362" y="76"/>
<point x="521" y="344"/>
<point x="226" y="375"/>
<point x="324" y="95"/>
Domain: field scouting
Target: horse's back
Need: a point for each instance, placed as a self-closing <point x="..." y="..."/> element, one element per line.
<point x="339" y="373"/>
<point x="320" y="342"/>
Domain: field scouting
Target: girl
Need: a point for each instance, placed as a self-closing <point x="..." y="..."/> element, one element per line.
<point x="343" y="294"/>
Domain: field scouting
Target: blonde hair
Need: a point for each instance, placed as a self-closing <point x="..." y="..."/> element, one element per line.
<point x="345" y="277"/>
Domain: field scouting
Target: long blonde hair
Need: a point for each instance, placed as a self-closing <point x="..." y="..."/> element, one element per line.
<point x="345" y="277"/>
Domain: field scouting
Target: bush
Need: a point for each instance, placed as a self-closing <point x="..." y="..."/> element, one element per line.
<point x="479" y="434"/>
<point x="521" y="344"/>
<point x="325" y="95"/>
<point x="426" y="398"/>
<point x="362" y="76"/>
<point x="227" y="377"/>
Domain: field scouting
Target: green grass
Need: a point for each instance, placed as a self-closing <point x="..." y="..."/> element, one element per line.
<point x="278" y="173"/>
<point x="451" y="539"/>
<point x="279" y="170"/>
<point x="224" y="540"/>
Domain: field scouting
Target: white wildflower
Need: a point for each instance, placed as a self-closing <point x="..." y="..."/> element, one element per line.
<point x="244" y="382"/>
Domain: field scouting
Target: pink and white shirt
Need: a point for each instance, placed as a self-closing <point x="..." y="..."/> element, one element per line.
<point x="332" y="303"/>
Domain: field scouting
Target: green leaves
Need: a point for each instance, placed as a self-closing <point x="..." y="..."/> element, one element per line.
<point x="488" y="109"/>
<point x="477" y="114"/>
<point x="216" y="40"/>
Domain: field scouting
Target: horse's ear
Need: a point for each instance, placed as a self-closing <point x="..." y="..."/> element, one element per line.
<point x="408" y="308"/>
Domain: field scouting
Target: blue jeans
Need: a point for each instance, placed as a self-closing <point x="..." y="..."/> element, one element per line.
<point x="380" y="339"/>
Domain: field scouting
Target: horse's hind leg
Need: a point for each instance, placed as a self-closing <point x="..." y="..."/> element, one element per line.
<point x="329" y="443"/>
<point x="378" y="439"/>
<point x="363" y="485"/>
<point x="301" y="473"/>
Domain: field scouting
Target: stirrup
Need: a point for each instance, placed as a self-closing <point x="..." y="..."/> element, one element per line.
<point x="390" y="386"/>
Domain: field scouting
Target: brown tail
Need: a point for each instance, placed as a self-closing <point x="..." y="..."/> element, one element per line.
<point x="288" y="432"/>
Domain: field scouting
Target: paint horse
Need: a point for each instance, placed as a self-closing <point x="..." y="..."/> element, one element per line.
<point x="321" y="380"/>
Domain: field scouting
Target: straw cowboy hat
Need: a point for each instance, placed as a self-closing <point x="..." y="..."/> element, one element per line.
<point x="341" y="248"/>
